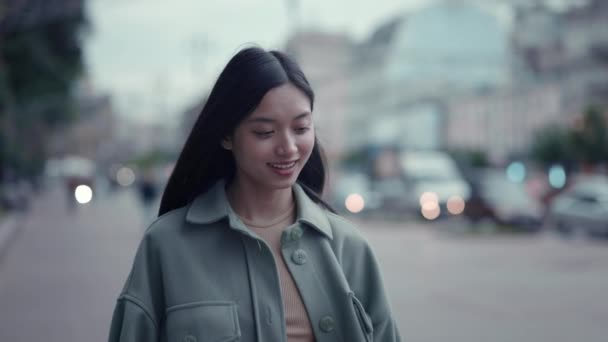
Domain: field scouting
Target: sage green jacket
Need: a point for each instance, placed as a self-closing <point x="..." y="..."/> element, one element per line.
<point x="200" y="275"/>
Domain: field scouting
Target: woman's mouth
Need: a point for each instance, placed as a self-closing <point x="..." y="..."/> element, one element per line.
<point x="283" y="166"/>
<point x="283" y="169"/>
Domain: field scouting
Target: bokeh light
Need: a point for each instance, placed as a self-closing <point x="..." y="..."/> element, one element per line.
<point x="430" y="210"/>
<point x="455" y="205"/>
<point x="516" y="172"/>
<point x="83" y="194"/>
<point x="354" y="203"/>
<point x="428" y="197"/>
<point x="557" y="176"/>
<point x="430" y="205"/>
<point x="125" y="176"/>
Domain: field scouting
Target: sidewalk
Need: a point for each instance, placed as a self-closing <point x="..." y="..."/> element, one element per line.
<point x="63" y="270"/>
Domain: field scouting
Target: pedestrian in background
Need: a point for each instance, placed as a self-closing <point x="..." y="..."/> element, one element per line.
<point x="147" y="188"/>
<point x="245" y="248"/>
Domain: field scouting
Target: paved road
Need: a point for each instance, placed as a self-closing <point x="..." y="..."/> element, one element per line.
<point x="61" y="274"/>
<point x="447" y="287"/>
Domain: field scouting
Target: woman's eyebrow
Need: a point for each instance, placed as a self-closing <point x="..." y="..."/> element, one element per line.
<point x="302" y="116"/>
<point x="263" y="119"/>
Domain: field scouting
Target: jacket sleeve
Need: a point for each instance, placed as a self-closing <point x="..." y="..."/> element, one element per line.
<point x="363" y="274"/>
<point x="139" y="307"/>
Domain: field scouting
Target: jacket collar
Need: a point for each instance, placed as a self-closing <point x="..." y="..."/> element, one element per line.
<point x="213" y="206"/>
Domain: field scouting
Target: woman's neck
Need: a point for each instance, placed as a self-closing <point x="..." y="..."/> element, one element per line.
<point x="256" y="205"/>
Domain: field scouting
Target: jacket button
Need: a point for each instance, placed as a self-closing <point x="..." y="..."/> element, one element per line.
<point x="295" y="234"/>
<point x="299" y="257"/>
<point x="189" y="338"/>
<point x="327" y="324"/>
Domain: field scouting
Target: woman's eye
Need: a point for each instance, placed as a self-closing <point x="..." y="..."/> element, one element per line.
<point x="302" y="130"/>
<point x="263" y="134"/>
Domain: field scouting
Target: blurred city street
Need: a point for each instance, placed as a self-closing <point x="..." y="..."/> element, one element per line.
<point x="61" y="273"/>
<point x="467" y="139"/>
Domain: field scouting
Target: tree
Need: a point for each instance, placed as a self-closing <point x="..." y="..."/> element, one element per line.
<point x="470" y="158"/>
<point x="586" y="144"/>
<point x="40" y="61"/>
<point x="553" y="145"/>
<point x="590" y="138"/>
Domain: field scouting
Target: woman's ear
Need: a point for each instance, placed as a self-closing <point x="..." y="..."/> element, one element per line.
<point x="227" y="143"/>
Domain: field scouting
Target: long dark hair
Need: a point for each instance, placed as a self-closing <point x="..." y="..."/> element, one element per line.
<point x="239" y="89"/>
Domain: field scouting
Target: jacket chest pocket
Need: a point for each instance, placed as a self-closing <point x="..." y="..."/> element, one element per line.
<point x="364" y="321"/>
<point x="208" y="321"/>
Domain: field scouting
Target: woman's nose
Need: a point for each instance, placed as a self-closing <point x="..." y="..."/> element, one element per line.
<point x="287" y="146"/>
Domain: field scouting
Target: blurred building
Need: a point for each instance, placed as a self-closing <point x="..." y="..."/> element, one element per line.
<point x="137" y="138"/>
<point x="454" y="43"/>
<point x="569" y="47"/>
<point x="502" y="123"/>
<point x="560" y="66"/>
<point x="326" y="59"/>
<point x="92" y="134"/>
<point x="99" y="134"/>
<point x="455" y="75"/>
<point x="412" y="66"/>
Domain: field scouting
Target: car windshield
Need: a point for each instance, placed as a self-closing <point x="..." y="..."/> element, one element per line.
<point x="390" y="186"/>
<point x="429" y="168"/>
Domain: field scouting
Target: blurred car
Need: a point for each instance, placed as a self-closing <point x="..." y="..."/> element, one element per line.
<point x="496" y="198"/>
<point x="583" y="208"/>
<point x="77" y="172"/>
<point x="390" y="195"/>
<point x="348" y="189"/>
<point x="435" y="175"/>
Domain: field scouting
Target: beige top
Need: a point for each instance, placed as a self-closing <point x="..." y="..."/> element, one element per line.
<point x="298" y="324"/>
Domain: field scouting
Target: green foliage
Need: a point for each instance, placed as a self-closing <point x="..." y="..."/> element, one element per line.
<point x="39" y="66"/>
<point x="553" y="144"/>
<point x="585" y="143"/>
<point x="590" y="138"/>
<point x="151" y="159"/>
<point x="470" y="158"/>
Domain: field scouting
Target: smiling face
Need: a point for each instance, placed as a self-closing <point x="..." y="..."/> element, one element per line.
<point x="272" y="145"/>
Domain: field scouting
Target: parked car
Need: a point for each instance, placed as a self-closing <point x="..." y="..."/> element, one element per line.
<point x="390" y="195"/>
<point x="583" y="208"/>
<point x="349" y="184"/>
<point x="504" y="202"/>
<point x="432" y="172"/>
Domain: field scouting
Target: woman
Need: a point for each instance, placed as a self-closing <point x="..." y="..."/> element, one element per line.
<point x="244" y="248"/>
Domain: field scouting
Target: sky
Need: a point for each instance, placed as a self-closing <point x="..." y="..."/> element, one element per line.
<point x="156" y="57"/>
